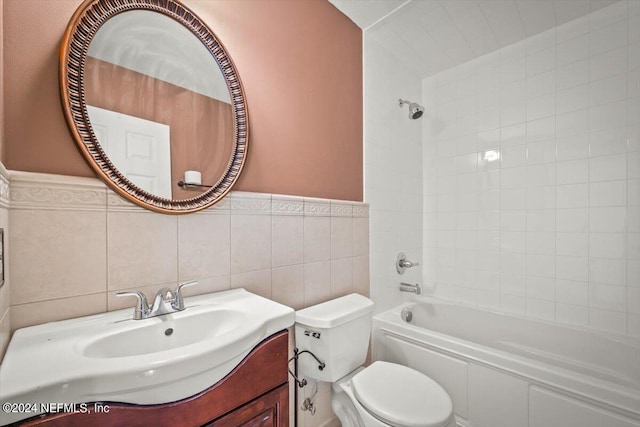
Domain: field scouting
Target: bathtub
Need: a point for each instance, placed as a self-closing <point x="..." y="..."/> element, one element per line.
<point x="509" y="371"/>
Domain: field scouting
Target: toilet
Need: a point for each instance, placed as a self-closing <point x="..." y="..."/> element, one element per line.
<point x="383" y="394"/>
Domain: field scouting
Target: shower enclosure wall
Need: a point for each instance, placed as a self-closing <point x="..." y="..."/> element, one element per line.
<point x="532" y="175"/>
<point x="519" y="187"/>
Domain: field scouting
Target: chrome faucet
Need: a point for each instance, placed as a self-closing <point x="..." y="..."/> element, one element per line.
<point x="166" y="301"/>
<point x="402" y="263"/>
<point x="408" y="287"/>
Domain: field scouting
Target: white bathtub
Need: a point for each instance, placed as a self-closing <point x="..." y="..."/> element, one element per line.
<point x="509" y="371"/>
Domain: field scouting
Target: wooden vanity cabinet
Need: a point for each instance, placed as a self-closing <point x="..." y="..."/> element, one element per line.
<point x="255" y="393"/>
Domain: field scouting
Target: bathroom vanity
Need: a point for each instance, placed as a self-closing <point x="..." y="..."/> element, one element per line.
<point x="222" y="361"/>
<point x="255" y="393"/>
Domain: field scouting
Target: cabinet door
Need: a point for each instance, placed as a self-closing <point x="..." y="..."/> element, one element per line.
<point x="269" y="410"/>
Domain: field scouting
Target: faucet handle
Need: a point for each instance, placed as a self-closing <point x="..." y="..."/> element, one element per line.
<point x="179" y="299"/>
<point x="402" y="263"/>
<point x="142" y="308"/>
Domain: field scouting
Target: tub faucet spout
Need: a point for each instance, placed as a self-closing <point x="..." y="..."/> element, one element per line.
<point x="408" y="287"/>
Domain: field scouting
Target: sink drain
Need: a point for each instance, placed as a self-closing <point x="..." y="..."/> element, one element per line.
<point x="168" y="331"/>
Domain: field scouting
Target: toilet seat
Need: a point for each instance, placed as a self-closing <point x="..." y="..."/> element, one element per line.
<point x="401" y="396"/>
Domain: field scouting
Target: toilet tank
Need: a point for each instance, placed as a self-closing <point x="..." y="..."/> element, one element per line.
<point x="337" y="333"/>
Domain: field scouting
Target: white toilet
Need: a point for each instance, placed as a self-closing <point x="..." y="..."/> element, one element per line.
<point x="380" y="395"/>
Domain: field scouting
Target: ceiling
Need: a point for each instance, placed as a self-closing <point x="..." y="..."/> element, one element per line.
<point x="430" y="36"/>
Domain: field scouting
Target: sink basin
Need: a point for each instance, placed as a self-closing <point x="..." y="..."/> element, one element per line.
<point x="111" y="357"/>
<point x="164" y="333"/>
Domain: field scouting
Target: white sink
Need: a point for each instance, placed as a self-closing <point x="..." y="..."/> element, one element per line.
<point x="110" y="357"/>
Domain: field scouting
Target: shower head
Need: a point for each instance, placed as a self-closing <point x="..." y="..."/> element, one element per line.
<point x="415" y="110"/>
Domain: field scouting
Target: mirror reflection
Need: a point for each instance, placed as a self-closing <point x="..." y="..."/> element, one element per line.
<point x="158" y="104"/>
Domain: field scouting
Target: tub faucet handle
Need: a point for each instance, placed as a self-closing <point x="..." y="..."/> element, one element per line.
<point x="402" y="263"/>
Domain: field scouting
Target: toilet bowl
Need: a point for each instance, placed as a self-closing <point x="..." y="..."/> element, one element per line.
<point x="381" y="395"/>
<point x="387" y="394"/>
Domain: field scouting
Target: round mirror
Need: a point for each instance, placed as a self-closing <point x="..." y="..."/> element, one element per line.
<point x="154" y="102"/>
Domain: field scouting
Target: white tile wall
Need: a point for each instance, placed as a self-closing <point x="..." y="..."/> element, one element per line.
<point x="393" y="173"/>
<point x="531" y="190"/>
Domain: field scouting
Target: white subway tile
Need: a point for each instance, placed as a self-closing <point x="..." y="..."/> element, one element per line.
<point x="608" y="141"/>
<point x="572" y="220"/>
<point x="633" y="219"/>
<point x="513" y="241"/>
<point x="572" y="292"/>
<point x="607" y="116"/>
<point x="513" y="264"/>
<point x="488" y="220"/>
<point x="572" y="123"/>
<point x="607" y="297"/>
<point x="541" y="175"/>
<point x="633" y="300"/>
<point x="572" y="99"/>
<point x="607" y="271"/>
<point x="572" y="147"/>
<point x="542" y="220"/>
<point x="541" y="129"/>
<point x="541" y="197"/>
<point x="608" y="193"/>
<point x="513" y="177"/>
<point x="571" y="75"/>
<point x="513" y="220"/>
<point x="607" y="245"/>
<point x="542" y="106"/>
<point x="541" y="84"/>
<point x="572" y="244"/>
<point x="572" y="172"/>
<point x="513" y="156"/>
<point x="541" y="243"/>
<point x="633" y="273"/>
<point x="541" y="265"/>
<point x="572" y="196"/>
<point x="541" y="152"/>
<point x="633" y="192"/>
<point x="608" y="219"/>
<point x="489" y="180"/>
<point x="607" y="64"/>
<point x="608" y="90"/>
<point x="572" y="268"/>
<point x="633" y="110"/>
<point x="513" y="200"/>
<point x="633" y="246"/>
<point x="513" y="71"/>
<point x="633" y="165"/>
<point x="512" y="135"/>
<point x="608" y="168"/>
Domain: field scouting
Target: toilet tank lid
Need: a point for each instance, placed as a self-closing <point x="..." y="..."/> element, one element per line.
<point x="335" y="312"/>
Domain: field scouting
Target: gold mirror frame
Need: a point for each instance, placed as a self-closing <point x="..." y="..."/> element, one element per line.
<point x="82" y="27"/>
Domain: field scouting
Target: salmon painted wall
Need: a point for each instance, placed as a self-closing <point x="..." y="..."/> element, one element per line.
<point x="301" y="67"/>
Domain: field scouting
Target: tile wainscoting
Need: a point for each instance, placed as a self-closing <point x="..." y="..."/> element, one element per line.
<point x="75" y="244"/>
